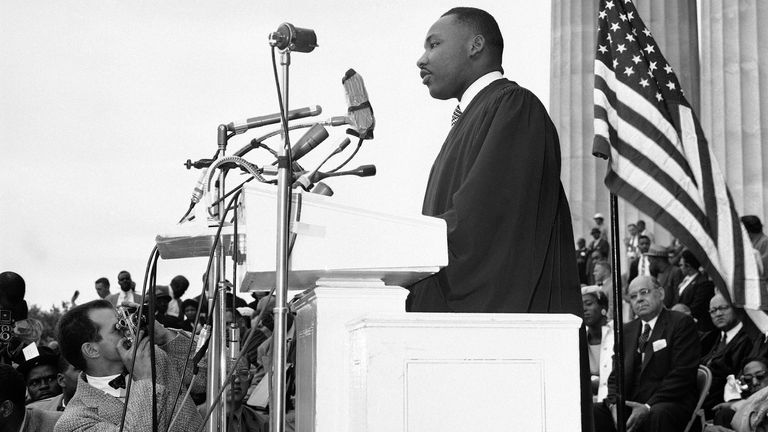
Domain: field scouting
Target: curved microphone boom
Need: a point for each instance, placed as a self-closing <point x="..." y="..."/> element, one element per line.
<point x="361" y="171"/>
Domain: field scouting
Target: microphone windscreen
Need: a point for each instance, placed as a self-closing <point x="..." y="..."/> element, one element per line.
<point x="359" y="110"/>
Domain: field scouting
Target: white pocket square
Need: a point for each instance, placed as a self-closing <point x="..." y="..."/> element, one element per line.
<point x="659" y="344"/>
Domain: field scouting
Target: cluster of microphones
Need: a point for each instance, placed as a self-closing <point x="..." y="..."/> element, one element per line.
<point x="359" y="118"/>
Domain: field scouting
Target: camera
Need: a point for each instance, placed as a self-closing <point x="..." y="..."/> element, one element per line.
<point x="130" y="323"/>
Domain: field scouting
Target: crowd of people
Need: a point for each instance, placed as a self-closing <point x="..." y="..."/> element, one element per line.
<point x="675" y="322"/>
<point x="84" y="378"/>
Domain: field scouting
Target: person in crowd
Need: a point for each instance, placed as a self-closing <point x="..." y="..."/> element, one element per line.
<point x="669" y="276"/>
<point x="102" y="287"/>
<point x="92" y="342"/>
<point x="162" y="300"/>
<point x="14" y="416"/>
<point x="67" y="379"/>
<point x="127" y="294"/>
<point x="630" y="242"/>
<point x="754" y="228"/>
<point x="599" y="338"/>
<point x="743" y="415"/>
<point x="641" y="231"/>
<point x="602" y="275"/>
<point x="661" y="357"/>
<point x="582" y="255"/>
<point x="242" y="417"/>
<point x="641" y="266"/>
<point x="599" y="249"/>
<point x="599" y="224"/>
<point x="179" y="285"/>
<point x="675" y="250"/>
<point x="40" y="375"/>
<point x="730" y="351"/>
<point x="695" y="290"/>
<point x="499" y="165"/>
<point x="189" y="306"/>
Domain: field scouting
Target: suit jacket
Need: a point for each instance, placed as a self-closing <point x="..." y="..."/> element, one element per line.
<point x="697" y="296"/>
<point x="93" y="410"/>
<point x="112" y="298"/>
<point x="37" y="420"/>
<point x="668" y="371"/>
<point x="725" y="362"/>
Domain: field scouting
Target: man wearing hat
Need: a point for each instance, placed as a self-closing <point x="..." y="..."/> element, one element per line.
<point x="669" y="276"/>
<point x="162" y="299"/>
<point x="40" y="374"/>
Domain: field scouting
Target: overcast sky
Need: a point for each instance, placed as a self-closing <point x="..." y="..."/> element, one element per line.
<point x="102" y="101"/>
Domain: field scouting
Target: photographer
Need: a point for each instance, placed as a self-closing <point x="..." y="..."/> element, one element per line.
<point x="91" y="341"/>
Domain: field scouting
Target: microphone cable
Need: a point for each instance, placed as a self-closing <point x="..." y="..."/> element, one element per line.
<point x="357" y="148"/>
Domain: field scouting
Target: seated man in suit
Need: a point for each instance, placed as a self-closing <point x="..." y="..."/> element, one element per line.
<point x="661" y="357"/>
<point x="91" y="340"/>
<point x="730" y="351"/>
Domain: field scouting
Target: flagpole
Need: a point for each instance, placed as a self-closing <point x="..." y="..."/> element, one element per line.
<point x="618" y="319"/>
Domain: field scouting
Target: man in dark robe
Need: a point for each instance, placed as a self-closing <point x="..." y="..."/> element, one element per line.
<point x="496" y="183"/>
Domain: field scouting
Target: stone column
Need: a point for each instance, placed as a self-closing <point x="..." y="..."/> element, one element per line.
<point x="734" y="96"/>
<point x="574" y="25"/>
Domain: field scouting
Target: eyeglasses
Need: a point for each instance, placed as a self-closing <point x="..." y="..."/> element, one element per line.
<point x="717" y="309"/>
<point x="123" y="279"/>
<point x="41" y="381"/>
<point x="760" y="375"/>
<point x="243" y="375"/>
<point x="643" y="292"/>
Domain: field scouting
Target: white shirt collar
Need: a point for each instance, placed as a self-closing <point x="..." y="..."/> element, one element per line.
<point x="651" y="323"/>
<point x="476" y="87"/>
<point x="730" y="334"/>
<point x="102" y="383"/>
<point x="123" y="296"/>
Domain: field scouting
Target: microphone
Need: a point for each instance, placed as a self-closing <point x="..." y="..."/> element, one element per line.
<point x="239" y="127"/>
<point x="305" y="180"/>
<point x="314" y="136"/>
<point x="361" y="171"/>
<point x="293" y="38"/>
<point x="359" y="110"/>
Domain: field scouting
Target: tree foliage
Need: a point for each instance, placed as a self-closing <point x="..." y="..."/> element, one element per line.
<point x="49" y="318"/>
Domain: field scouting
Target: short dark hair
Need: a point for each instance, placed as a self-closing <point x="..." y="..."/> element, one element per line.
<point x="76" y="328"/>
<point x="189" y="302"/>
<point x="643" y="237"/>
<point x="752" y="224"/>
<point x="179" y="282"/>
<point x="12" y="287"/>
<point x="690" y="258"/>
<point x="13" y="389"/>
<point x="104" y="281"/>
<point x="482" y="23"/>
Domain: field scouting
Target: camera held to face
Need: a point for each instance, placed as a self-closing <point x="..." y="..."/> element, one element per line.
<point x="130" y="323"/>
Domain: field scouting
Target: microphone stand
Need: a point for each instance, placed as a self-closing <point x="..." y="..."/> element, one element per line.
<point x="284" y="176"/>
<point x="217" y="354"/>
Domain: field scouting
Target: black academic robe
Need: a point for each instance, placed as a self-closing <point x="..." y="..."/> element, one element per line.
<point x="496" y="182"/>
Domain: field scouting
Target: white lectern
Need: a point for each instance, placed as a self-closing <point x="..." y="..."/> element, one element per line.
<point x="363" y="364"/>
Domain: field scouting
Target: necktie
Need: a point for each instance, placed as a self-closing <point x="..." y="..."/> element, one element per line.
<point x="643" y="341"/>
<point x="456" y="115"/>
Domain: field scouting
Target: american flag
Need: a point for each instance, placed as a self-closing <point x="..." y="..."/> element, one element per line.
<point x="659" y="160"/>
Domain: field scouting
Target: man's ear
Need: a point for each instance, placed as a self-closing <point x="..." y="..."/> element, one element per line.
<point x="90" y="350"/>
<point x="478" y="45"/>
<point x="6" y="409"/>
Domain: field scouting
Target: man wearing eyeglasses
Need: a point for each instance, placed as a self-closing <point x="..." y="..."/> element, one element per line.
<point x="244" y="418"/>
<point x="742" y="414"/>
<point x="661" y="357"/>
<point x="730" y="351"/>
